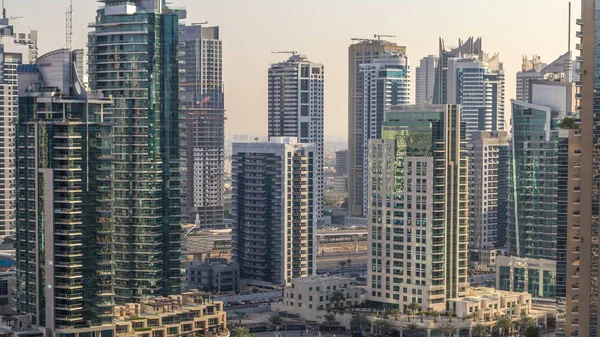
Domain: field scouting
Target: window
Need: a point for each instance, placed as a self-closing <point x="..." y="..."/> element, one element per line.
<point x="304" y="110"/>
<point x="304" y="129"/>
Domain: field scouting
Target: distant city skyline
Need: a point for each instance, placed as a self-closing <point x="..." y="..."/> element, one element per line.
<point x="247" y="28"/>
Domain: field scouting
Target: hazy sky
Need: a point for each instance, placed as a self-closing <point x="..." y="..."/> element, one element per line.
<point x="322" y="29"/>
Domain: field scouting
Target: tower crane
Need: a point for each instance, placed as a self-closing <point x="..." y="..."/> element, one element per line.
<point x="379" y="36"/>
<point x="293" y="52"/>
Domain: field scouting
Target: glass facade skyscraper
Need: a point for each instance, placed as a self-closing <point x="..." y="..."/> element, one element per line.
<point x="65" y="214"/>
<point x="133" y="58"/>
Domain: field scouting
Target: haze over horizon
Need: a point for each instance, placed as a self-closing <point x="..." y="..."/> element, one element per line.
<point x="322" y="30"/>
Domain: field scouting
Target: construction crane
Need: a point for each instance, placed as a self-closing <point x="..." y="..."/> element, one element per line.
<point x="69" y="26"/>
<point x="293" y="52"/>
<point x="379" y="36"/>
<point x="199" y="23"/>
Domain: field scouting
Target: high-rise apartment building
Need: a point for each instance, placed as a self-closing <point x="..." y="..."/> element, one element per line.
<point x="273" y="209"/>
<point x="296" y="91"/>
<point x="362" y="52"/>
<point x="133" y="49"/>
<point x="17" y="47"/>
<point x="65" y="200"/>
<point x="341" y="163"/>
<point x="425" y="80"/>
<point x="488" y="195"/>
<point x="587" y="308"/>
<point x="477" y="84"/>
<point x="418" y="208"/>
<point x="468" y="47"/>
<point x="202" y="124"/>
<point x="533" y="69"/>
<point x="381" y="84"/>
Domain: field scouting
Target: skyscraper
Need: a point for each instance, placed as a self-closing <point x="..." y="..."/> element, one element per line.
<point x="382" y="83"/>
<point x="17" y="47"/>
<point x="477" y="84"/>
<point x="425" y="79"/>
<point x="273" y="209"/>
<point x="296" y="91"/>
<point x="587" y="290"/>
<point x="359" y="53"/>
<point x="418" y="203"/>
<point x="468" y="47"/>
<point x="65" y="227"/>
<point x="202" y="105"/>
<point x="488" y="195"/>
<point x="133" y="58"/>
<point x="341" y="163"/>
<point x="534" y="69"/>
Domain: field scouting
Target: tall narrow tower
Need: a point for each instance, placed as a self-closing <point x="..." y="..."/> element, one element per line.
<point x="133" y="58"/>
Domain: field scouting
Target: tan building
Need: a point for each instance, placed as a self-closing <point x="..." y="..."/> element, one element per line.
<point x="362" y="52"/>
<point x="487" y="303"/>
<point x="314" y="292"/>
<point x="186" y="315"/>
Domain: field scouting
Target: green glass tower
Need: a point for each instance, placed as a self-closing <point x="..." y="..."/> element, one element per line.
<point x="133" y="58"/>
<point x="64" y="249"/>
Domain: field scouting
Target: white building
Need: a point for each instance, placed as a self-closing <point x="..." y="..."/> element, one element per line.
<point x="314" y="292"/>
<point x="478" y="86"/>
<point x="488" y="179"/>
<point x="296" y="90"/>
<point x="488" y="303"/>
<point x="533" y="69"/>
<point x="17" y="47"/>
<point x="534" y="276"/>
<point x="274" y="223"/>
<point x="381" y="84"/>
<point x="425" y="79"/>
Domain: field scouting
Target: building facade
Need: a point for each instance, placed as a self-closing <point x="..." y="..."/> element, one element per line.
<point x="487" y="303"/>
<point x="383" y="83"/>
<point x="296" y="91"/>
<point x="65" y="215"/>
<point x="533" y="69"/>
<point x="425" y="80"/>
<point x="16" y="47"/>
<point x="534" y="276"/>
<point x="362" y="52"/>
<point x="213" y="275"/>
<point x="341" y="163"/>
<point x="477" y="84"/>
<point x="315" y="292"/>
<point x="189" y="314"/>
<point x="418" y="204"/>
<point x="202" y="124"/>
<point x="273" y="210"/>
<point x="133" y="57"/>
<point x="488" y="191"/>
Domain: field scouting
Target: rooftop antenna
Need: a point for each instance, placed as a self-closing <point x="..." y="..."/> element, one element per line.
<point x="569" y="38"/>
<point x="69" y="26"/>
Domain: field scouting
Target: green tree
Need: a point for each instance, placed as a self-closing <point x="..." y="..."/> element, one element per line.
<point x="329" y="321"/>
<point x="241" y="331"/>
<point x="532" y="331"/>
<point x="342" y="265"/>
<point x="276" y="321"/>
<point x="393" y="312"/>
<point x="568" y="123"/>
<point x="504" y="324"/>
<point x="449" y="314"/>
<point x="411" y="329"/>
<point x="480" y="330"/>
<point x="447" y="329"/>
<point x="348" y="262"/>
<point x="525" y="322"/>
<point x="337" y="297"/>
<point x="381" y="327"/>
<point x="240" y="316"/>
<point x="435" y="315"/>
<point x="359" y="322"/>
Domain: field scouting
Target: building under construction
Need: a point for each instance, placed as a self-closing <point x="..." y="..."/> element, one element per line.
<point x="202" y="128"/>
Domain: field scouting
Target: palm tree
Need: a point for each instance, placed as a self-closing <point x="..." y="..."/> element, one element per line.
<point x="329" y="320"/>
<point x="241" y="331"/>
<point x="450" y="313"/>
<point x="359" y="322"/>
<point x="504" y="324"/>
<point x="525" y="322"/>
<point x="413" y="308"/>
<point x="342" y="265"/>
<point x="240" y="317"/>
<point x="411" y="329"/>
<point x="381" y="327"/>
<point x="447" y="329"/>
<point x="435" y="315"/>
<point x="276" y="320"/>
<point x="337" y="297"/>
<point x="480" y="330"/>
